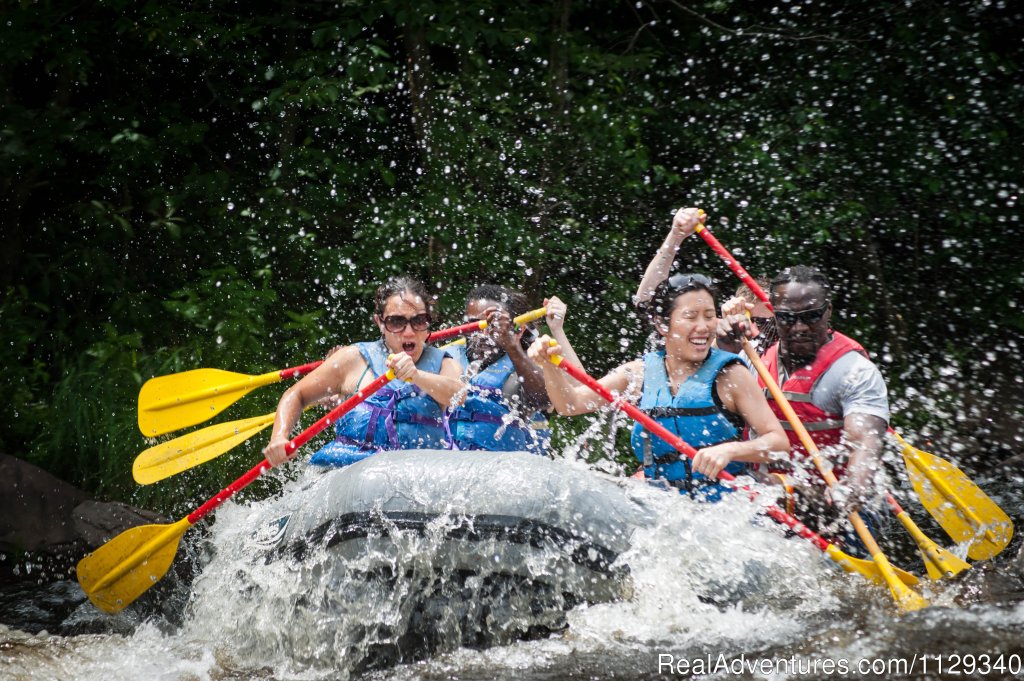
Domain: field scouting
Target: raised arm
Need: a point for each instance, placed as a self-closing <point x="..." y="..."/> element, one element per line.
<point x="683" y="225"/>
<point x="555" y="318"/>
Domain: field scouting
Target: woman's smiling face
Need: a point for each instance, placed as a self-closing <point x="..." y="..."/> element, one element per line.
<point x="690" y="329"/>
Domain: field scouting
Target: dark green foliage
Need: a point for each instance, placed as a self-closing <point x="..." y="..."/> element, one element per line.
<point x="223" y="185"/>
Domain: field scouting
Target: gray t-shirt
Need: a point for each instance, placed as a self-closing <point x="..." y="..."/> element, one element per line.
<point x="852" y="385"/>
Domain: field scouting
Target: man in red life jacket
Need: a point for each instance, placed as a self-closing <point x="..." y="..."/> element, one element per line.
<point x="837" y="392"/>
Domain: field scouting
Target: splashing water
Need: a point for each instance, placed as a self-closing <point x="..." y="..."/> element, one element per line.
<point x="697" y="580"/>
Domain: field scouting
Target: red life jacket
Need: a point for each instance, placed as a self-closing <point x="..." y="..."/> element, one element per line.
<point x="825" y="428"/>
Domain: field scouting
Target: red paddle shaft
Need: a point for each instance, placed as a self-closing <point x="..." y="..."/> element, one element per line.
<point x="733" y="264"/>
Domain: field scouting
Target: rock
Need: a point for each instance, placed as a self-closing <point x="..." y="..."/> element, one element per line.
<point x="48" y="525"/>
<point x="97" y="522"/>
<point x="35" y="507"/>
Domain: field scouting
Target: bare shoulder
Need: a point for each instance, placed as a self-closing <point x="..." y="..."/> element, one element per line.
<point x="345" y="367"/>
<point x="735" y="380"/>
<point x="736" y="373"/>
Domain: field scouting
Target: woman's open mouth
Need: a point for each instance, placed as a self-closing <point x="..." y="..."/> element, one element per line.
<point x="408" y="348"/>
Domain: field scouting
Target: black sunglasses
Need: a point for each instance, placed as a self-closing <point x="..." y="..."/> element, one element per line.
<point x="786" y="318"/>
<point x="397" y="323"/>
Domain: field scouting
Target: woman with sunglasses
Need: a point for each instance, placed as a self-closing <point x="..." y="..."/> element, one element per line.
<point x="702" y="394"/>
<point x="407" y="413"/>
<point x="505" y="400"/>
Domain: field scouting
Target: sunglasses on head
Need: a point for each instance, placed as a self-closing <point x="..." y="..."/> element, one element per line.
<point x="681" y="282"/>
<point x="397" y="323"/>
<point x="787" y="318"/>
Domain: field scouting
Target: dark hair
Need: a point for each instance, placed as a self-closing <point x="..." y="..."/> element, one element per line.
<point x="396" y="286"/>
<point x="513" y="301"/>
<point x="801" y="274"/>
<point x="667" y="292"/>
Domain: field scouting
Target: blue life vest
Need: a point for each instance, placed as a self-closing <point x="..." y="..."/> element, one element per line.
<point x="485" y="413"/>
<point x="398" y="416"/>
<point x="693" y="414"/>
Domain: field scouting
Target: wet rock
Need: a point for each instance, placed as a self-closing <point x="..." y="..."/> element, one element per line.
<point x="47" y="525"/>
<point x="35" y="507"/>
<point x="97" y="522"/>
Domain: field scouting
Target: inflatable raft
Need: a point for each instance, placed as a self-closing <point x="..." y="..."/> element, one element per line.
<point x="407" y="553"/>
<point x="478" y="513"/>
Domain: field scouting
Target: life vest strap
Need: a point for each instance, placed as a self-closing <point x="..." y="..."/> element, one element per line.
<point x="811" y="426"/>
<point x="671" y="412"/>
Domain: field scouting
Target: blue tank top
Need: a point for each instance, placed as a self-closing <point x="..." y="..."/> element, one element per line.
<point x="694" y="414"/>
<point x="398" y="416"/>
<point x="485" y="413"/>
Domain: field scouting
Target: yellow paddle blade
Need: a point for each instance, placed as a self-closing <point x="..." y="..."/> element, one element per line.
<point x="177" y="455"/>
<point x="867" y="568"/>
<point x="118" y="572"/>
<point x="906" y="598"/>
<point x="167" y="403"/>
<point x="937" y="561"/>
<point x="941" y="563"/>
<point x="963" y="510"/>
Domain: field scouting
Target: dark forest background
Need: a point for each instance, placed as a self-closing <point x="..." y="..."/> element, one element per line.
<point x="223" y="184"/>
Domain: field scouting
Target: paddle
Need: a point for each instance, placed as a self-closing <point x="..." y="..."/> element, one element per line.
<point x="963" y="510"/>
<point x="168" y="403"/>
<point x="118" y="572"/>
<point x="733" y="264"/>
<point x="868" y="570"/>
<point x="177" y="455"/>
<point x="480" y="325"/>
<point x="938" y="562"/>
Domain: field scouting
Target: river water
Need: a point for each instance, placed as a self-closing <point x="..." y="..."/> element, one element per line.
<point x="713" y="592"/>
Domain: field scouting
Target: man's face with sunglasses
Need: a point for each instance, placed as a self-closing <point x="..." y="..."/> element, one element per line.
<point x="802" y="318"/>
<point x="405" y="324"/>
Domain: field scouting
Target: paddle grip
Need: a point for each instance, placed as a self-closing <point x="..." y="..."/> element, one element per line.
<point x="301" y="439"/>
<point x="301" y="370"/>
<point x="531" y="316"/>
<point x="737" y="268"/>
